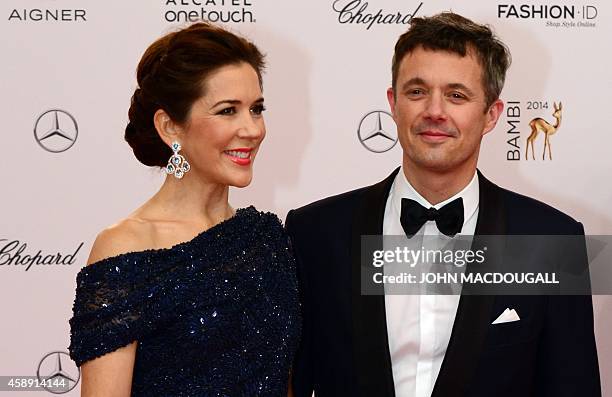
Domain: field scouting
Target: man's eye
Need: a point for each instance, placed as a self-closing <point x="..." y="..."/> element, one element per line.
<point x="457" y="95"/>
<point x="415" y="93"/>
<point x="227" y="111"/>
<point x="258" y="109"/>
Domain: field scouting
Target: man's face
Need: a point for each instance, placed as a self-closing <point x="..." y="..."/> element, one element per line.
<point x="440" y="109"/>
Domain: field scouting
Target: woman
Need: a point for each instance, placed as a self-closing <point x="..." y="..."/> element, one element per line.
<point x="187" y="296"/>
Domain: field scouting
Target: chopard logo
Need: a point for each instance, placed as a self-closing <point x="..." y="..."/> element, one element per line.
<point x="12" y="253"/>
<point x="356" y="11"/>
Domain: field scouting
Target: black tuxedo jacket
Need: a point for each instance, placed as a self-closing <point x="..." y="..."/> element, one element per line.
<point x="344" y="349"/>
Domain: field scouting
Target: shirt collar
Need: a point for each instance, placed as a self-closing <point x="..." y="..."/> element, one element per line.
<point x="403" y="189"/>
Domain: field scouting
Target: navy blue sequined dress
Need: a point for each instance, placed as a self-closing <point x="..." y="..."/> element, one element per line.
<point x="215" y="316"/>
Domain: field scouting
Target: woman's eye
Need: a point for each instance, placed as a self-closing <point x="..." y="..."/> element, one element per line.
<point x="258" y="109"/>
<point x="227" y="111"/>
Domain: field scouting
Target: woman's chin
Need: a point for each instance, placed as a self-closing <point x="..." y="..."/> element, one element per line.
<point x="241" y="181"/>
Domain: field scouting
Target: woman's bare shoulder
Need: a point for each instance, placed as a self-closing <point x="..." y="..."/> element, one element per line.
<point x="128" y="235"/>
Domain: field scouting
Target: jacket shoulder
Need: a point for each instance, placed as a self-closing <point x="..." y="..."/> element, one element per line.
<point x="338" y="206"/>
<point x="541" y="217"/>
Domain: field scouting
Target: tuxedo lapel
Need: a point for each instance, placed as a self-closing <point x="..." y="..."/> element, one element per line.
<point x="473" y="313"/>
<point x="370" y="342"/>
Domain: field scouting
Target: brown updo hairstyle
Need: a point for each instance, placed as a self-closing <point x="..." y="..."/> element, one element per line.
<point x="171" y="76"/>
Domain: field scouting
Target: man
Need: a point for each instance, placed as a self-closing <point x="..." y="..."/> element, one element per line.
<point x="448" y="73"/>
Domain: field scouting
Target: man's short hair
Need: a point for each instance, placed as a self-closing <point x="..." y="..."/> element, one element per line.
<point x="451" y="32"/>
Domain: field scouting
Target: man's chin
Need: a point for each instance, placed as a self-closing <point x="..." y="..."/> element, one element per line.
<point x="433" y="163"/>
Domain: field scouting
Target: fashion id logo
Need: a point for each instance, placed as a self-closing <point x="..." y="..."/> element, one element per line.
<point x="554" y="15"/>
<point x="226" y="11"/>
<point x="360" y="12"/>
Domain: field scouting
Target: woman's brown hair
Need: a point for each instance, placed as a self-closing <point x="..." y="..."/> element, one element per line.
<point x="171" y="76"/>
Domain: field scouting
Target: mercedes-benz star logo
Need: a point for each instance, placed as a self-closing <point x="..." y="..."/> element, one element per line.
<point x="57" y="366"/>
<point x="377" y="131"/>
<point x="56" y="130"/>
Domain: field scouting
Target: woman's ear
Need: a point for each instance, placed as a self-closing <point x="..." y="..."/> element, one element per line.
<point x="167" y="129"/>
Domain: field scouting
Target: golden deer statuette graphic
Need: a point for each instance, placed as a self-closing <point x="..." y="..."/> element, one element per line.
<point x="538" y="124"/>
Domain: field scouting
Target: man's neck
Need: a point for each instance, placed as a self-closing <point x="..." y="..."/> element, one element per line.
<point x="437" y="186"/>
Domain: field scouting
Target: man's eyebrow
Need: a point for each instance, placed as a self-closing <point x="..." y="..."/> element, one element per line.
<point x="413" y="81"/>
<point x="461" y="87"/>
<point x="452" y="86"/>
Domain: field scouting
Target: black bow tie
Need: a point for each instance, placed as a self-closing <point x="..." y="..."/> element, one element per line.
<point x="449" y="218"/>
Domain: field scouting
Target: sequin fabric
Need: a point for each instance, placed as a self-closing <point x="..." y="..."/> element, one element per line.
<point x="215" y="316"/>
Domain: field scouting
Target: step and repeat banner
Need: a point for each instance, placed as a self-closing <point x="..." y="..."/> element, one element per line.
<point x="67" y="73"/>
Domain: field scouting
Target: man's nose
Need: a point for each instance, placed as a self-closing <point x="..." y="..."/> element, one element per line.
<point x="435" y="107"/>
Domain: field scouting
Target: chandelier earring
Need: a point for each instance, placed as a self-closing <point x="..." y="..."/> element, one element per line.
<point x="177" y="165"/>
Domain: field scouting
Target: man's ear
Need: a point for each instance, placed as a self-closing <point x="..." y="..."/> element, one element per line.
<point x="493" y="113"/>
<point x="166" y="128"/>
<point x="391" y="99"/>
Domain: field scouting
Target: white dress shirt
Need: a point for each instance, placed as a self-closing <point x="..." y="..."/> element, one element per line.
<point x="419" y="326"/>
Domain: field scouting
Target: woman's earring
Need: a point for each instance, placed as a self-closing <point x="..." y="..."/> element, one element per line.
<point x="177" y="164"/>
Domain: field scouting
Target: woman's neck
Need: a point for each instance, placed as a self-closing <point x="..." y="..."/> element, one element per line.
<point x="191" y="199"/>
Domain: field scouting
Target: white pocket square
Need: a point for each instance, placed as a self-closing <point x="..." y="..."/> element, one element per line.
<point x="507" y="316"/>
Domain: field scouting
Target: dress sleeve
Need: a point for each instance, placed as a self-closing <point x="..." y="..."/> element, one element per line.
<point x="112" y="308"/>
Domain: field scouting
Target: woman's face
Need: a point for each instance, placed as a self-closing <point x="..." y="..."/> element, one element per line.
<point x="225" y="127"/>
